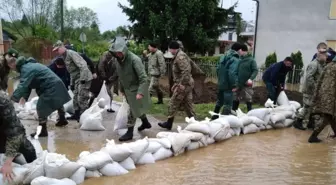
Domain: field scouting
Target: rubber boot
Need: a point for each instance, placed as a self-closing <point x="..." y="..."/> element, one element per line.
<point x="75" y="116"/>
<point x="110" y="110"/>
<point x="298" y="124"/>
<point x="145" y="124"/>
<point x="61" y="122"/>
<point x="160" y="98"/>
<point x="217" y="109"/>
<point x="311" y="123"/>
<point x="44" y="131"/>
<point x="168" y="124"/>
<point x="249" y="106"/>
<point x="235" y="105"/>
<point x="313" y="138"/>
<point x="128" y="136"/>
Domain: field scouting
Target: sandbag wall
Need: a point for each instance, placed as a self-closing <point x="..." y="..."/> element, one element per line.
<point x="118" y="159"/>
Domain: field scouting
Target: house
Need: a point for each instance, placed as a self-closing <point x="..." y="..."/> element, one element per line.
<point x="286" y="26"/>
<point x="6" y="42"/>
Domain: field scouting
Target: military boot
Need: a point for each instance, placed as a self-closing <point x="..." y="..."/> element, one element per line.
<point x="217" y="109"/>
<point x="75" y="116"/>
<point x="44" y="131"/>
<point x="128" y="136"/>
<point x="235" y="105"/>
<point x="168" y="124"/>
<point x="61" y="122"/>
<point x="313" y="138"/>
<point x="311" y="123"/>
<point x="160" y="98"/>
<point x="298" y="124"/>
<point x="110" y="110"/>
<point x="145" y="124"/>
<point x="249" y="106"/>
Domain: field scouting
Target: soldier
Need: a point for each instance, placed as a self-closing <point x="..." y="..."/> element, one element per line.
<point x="313" y="72"/>
<point x="108" y="72"/>
<point x="13" y="140"/>
<point x="324" y="101"/>
<point x="81" y="78"/>
<point x="133" y="84"/>
<point x="227" y="79"/>
<point x="156" y="69"/>
<point x="4" y="69"/>
<point x="247" y="71"/>
<point x="183" y="85"/>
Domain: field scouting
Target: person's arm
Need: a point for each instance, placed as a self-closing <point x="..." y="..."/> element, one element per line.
<point x="23" y="90"/>
<point x="139" y="69"/>
<point x="85" y="73"/>
<point x="114" y="76"/>
<point x="184" y="65"/>
<point x="310" y="71"/>
<point x="254" y="68"/>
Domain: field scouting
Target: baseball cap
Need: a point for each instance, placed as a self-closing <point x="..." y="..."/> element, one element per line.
<point x="12" y="52"/>
<point x="57" y="45"/>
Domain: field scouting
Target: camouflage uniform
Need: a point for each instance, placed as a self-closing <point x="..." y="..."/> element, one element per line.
<point x="81" y="78"/>
<point x="108" y="71"/>
<point x="13" y="140"/>
<point x="156" y="68"/>
<point x="182" y="76"/>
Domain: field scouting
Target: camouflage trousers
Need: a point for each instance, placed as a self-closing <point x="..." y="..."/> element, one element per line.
<point x="110" y="90"/>
<point x="245" y="94"/>
<point x="81" y="96"/>
<point x="154" y="85"/>
<point x="325" y="120"/>
<point x="306" y="109"/>
<point x="181" y="99"/>
<point x="131" y="120"/>
<point x="225" y="98"/>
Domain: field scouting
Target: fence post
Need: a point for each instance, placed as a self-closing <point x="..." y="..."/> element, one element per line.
<point x="293" y="76"/>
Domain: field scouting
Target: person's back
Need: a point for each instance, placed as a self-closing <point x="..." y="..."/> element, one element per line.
<point x="58" y="67"/>
<point x="225" y="80"/>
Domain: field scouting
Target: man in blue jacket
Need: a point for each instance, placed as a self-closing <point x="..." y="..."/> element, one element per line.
<point x="275" y="77"/>
<point x="58" y="67"/>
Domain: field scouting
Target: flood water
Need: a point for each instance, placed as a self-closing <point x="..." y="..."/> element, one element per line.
<point x="278" y="157"/>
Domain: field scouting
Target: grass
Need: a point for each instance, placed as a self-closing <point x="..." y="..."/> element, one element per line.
<point x="202" y="110"/>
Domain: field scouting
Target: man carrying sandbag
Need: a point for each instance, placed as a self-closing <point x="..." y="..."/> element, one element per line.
<point x="324" y="101"/>
<point x="4" y="69"/>
<point x="133" y="84"/>
<point x="13" y="140"/>
<point x="80" y="76"/>
<point x="156" y="69"/>
<point x="108" y="72"/>
<point x="275" y="77"/>
<point x="313" y="72"/>
<point x="49" y="87"/>
<point x="247" y="71"/>
<point x="227" y="79"/>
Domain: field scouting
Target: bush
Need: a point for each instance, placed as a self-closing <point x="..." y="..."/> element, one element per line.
<point x="93" y="50"/>
<point x="298" y="63"/>
<point x="210" y="59"/>
<point x="271" y="59"/>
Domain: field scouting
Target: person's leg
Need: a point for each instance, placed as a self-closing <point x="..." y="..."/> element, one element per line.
<point x="145" y="123"/>
<point x="43" y="123"/>
<point x="76" y="106"/>
<point x="228" y="100"/>
<point x="248" y="95"/>
<point x="130" y="127"/>
<point x="84" y="96"/>
<point x="110" y="93"/>
<point x="156" y="86"/>
<point x="188" y="105"/>
<point x="27" y="150"/>
<point x="62" y="121"/>
<point x="219" y="103"/>
<point x="236" y="97"/>
<point x="326" y="119"/>
<point x="271" y="92"/>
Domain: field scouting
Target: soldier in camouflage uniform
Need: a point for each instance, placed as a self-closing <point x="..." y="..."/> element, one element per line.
<point x="108" y="72"/>
<point x="4" y="69"/>
<point x="313" y="72"/>
<point x="81" y="78"/>
<point x="13" y="140"/>
<point x="183" y="85"/>
<point x="156" y="69"/>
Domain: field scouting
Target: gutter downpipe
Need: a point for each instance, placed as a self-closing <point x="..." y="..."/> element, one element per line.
<point x="256" y="28"/>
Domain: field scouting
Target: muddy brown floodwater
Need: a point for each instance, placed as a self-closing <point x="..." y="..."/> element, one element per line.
<point x="275" y="157"/>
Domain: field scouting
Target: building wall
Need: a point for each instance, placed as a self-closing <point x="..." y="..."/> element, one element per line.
<point x="286" y="26"/>
<point x="225" y="37"/>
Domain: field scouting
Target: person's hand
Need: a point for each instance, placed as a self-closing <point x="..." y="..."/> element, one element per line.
<point x="234" y="89"/>
<point x="82" y="81"/>
<point x="7" y="172"/>
<point x="22" y="101"/>
<point x="249" y="82"/>
<point x="94" y="75"/>
<point x="139" y="96"/>
<point x="72" y="87"/>
<point x="181" y="87"/>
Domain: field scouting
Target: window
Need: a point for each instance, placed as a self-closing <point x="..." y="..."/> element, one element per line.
<point x="332" y="13"/>
<point x="230" y="36"/>
<point x="331" y="44"/>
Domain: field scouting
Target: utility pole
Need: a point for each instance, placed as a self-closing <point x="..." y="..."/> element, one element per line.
<point x="62" y="20"/>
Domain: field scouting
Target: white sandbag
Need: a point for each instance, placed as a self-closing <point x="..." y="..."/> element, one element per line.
<point x="228" y="136"/>
<point x="279" y="125"/>
<point x="288" y="122"/>
<point x="37" y="145"/>
<point x="94" y="161"/>
<point x="287" y="114"/>
<point x="122" y="116"/>
<point x="92" y="120"/>
<point x="51" y="181"/>
<point x="19" y="160"/>
<point x="284" y="108"/>
<point x="31" y="105"/>
<point x="147" y="158"/>
<point x="92" y="174"/>
<point x="269" y="103"/>
<point x="198" y="127"/>
<point x="246" y="120"/>
<point x="267" y="119"/>
<point x="153" y="147"/>
<point x="262" y="127"/>
<point x="28" y="115"/>
<point x="240" y="113"/>
<point x="269" y="127"/>
<point x="193" y="145"/>
<point x="19" y="175"/>
<point x="234" y="121"/>
<point x="219" y="131"/>
<point x="163" y="153"/>
<point x="35" y="168"/>
<point x="68" y="107"/>
<point x="249" y="129"/>
<point x="128" y="164"/>
<point x="79" y="176"/>
<point x="104" y="95"/>
<point x="165" y="142"/>
<point x="210" y="140"/>
<point x="257" y="121"/>
<point x="283" y="99"/>
<point x="59" y="167"/>
<point x="277" y="117"/>
<point x="193" y="136"/>
<point x="113" y="169"/>
<point x="117" y="152"/>
<point x="236" y="131"/>
<point x="179" y="141"/>
<point x="259" y="113"/>
<point x="138" y="148"/>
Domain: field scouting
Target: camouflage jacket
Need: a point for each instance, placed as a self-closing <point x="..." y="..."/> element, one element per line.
<point x="313" y="72"/>
<point x="156" y="64"/>
<point x="4" y="72"/>
<point x="107" y="69"/>
<point x="77" y="67"/>
<point x="182" y="69"/>
<point x="12" y="132"/>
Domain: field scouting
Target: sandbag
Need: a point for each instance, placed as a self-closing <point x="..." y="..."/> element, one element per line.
<point x="37" y="145"/>
<point x="219" y="131"/>
<point x="198" y="127"/>
<point x="262" y="127"/>
<point x="165" y="142"/>
<point x="35" y="168"/>
<point x="92" y="174"/>
<point x="269" y="103"/>
<point x="288" y="122"/>
<point x="240" y="113"/>
<point x="269" y="127"/>
<point x="236" y="131"/>
<point x="210" y="140"/>
<point x="79" y="176"/>
<point x="279" y="125"/>
<point x="228" y="136"/>
<point x="163" y="153"/>
<point x="103" y="94"/>
<point x="257" y="121"/>
<point x="28" y="115"/>
<point x="193" y="145"/>
<point x="94" y="161"/>
<point x="128" y="164"/>
<point x="68" y="107"/>
<point x="259" y="113"/>
<point x="19" y="175"/>
<point x="249" y="129"/>
<point x="277" y="117"/>
<point x="284" y="108"/>
<point x="193" y="136"/>
<point x="138" y="148"/>
<point x="283" y="99"/>
<point x="179" y="141"/>
<point x="113" y="169"/>
<point x="19" y="160"/>
<point x="153" y="147"/>
<point x="51" y="181"/>
<point x="234" y="121"/>
<point x="246" y="120"/>
<point x="147" y="158"/>
<point x="59" y="167"/>
<point x="92" y="119"/>
<point x="122" y="116"/>
<point x="117" y="152"/>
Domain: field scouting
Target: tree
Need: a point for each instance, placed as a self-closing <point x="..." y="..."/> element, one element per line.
<point x="294" y="76"/>
<point x="109" y="35"/>
<point x="196" y="23"/>
<point x="271" y="59"/>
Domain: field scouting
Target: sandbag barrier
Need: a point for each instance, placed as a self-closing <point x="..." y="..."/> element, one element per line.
<point x="118" y="159"/>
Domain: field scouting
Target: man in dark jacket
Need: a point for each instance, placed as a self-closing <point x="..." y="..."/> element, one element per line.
<point x="275" y="77"/>
<point x="58" y="67"/>
<point x="247" y="71"/>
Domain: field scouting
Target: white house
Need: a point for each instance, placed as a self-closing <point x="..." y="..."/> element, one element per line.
<point x="286" y="26"/>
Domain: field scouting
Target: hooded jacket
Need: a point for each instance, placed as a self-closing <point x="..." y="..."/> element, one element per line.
<point x="227" y="71"/>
